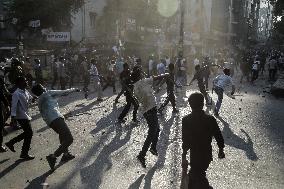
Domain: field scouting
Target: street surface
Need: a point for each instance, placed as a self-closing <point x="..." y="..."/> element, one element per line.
<point x="252" y="126"/>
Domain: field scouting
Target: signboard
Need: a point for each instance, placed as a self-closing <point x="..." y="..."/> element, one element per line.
<point x="34" y="23"/>
<point x="58" y="36"/>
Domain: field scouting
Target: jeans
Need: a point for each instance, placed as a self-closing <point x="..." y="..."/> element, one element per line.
<point x="170" y="98"/>
<point x="26" y="136"/>
<point x="129" y="100"/>
<point x="219" y="91"/>
<point x="153" y="132"/>
<point x="65" y="136"/>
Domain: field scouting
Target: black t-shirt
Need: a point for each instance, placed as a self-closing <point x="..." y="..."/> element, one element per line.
<point x="199" y="77"/>
<point x="198" y="129"/>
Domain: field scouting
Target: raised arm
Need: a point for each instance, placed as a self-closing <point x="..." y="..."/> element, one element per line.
<point x="55" y="93"/>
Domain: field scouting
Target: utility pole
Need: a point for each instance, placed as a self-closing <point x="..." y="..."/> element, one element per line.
<point x="181" y="33"/>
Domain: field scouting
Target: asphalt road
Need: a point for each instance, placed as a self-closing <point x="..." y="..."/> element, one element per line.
<point x="252" y="126"/>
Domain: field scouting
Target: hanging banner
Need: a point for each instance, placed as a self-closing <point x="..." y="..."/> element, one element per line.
<point x="58" y="36"/>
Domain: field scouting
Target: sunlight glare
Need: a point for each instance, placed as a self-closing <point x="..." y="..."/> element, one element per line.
<point x="168" y="8"/>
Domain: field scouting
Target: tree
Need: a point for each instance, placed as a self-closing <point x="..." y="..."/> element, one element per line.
<point x="278" y="20"/>
<point x="54" y="14"/>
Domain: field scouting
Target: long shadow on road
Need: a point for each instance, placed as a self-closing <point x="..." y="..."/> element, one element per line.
<point x="107" y="127"/>
<point x="235" y="141"/>
<point x="162" y="149"/>
<point x="11" y="167"/>
<point x="91" y="176"/>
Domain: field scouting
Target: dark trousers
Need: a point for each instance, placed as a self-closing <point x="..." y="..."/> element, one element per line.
<point x="197" y="176"/>
<point x="26" y="135"/>
<point x="254" y="75"/>
<point x="110" y="83"/>
<point x="203" y="91"/>
<point x="272" y="73"/>
<point x="153" y="132"/>
<point x="170" y="98"/>
<point x="206" y="79"/>
<point x="129" y="100"/>
<point x="219" y="91"/>
<point x="62" y="83"/>
<point x="73" y="77"/>
<point x="65" y="136"/>
<point x="55" y="77"/>
<point x="86" y="78"/>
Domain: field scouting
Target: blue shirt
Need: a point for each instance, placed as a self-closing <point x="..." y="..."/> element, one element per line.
<point x="48" y="105"/>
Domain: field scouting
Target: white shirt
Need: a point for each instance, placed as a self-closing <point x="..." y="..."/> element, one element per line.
<point x="48" y="105"/>
<point x="223" y="81"/>
<point x="196" y="62"/>
<point x="151" y="62"/>
<point x="168" y="61"/>
<point x="20" y="103"/>
<point x="255" y="65"/>
<point x="161" y="68"/>
<point x="145" y="94"/>
<point x="94" y="72"/>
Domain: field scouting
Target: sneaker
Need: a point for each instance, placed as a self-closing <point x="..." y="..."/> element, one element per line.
<point x="67" y="157"/>
<point x="51" y="161"/>
<point x="10" y="146"/>
<point x="27" y="157"/>
<point x="142" y="160"/>
<point x="3" y="149"/>
<point x="154" y="151"/>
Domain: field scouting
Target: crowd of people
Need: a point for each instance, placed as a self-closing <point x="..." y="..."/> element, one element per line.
<point x="139" y="83"/>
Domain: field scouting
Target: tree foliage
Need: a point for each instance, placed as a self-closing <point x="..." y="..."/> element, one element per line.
<point x="278" y="12"/>
<point x="56" y="14"/>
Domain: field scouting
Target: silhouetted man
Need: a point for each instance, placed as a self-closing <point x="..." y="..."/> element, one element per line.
<point x="170" y="80"/>
<point x="127" y="84"/>
<point x="198" y="129"/>
<point x="201" y="85"/>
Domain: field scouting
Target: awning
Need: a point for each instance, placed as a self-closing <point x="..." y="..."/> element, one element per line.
<point x="7" y="48"/>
